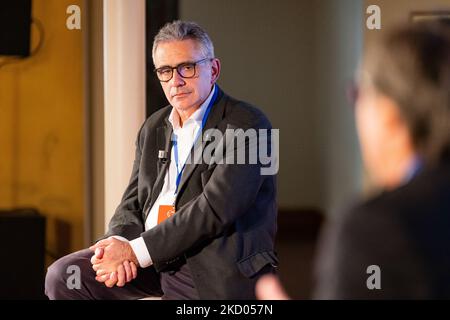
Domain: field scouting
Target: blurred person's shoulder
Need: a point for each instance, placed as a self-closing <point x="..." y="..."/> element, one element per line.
<point x="426" y="196"/>
<point x="403" y="232"/>
<point x="421" y="203"/>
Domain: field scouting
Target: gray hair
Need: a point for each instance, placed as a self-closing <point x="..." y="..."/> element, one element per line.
<point x="182" y="30"/>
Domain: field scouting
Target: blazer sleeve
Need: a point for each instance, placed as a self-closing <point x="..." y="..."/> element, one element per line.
<point x="229" y="193"/>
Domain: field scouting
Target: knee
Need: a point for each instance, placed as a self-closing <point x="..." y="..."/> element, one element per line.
<point x="56" y="286"/>
<point x="54" y="280"/>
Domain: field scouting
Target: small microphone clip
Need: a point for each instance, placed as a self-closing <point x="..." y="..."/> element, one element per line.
<point x="162" y="155"/>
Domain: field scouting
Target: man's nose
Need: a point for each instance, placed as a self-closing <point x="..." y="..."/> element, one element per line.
<point x="177" y="80"/>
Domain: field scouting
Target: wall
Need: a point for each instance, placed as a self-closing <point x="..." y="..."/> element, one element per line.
<point x="124" y="94"/>
<point x="95" y="118"/>
<point x="292" y="59"/>
<point x="395" y="12"/>
<point x="41" y="129"/>
<point x="337" y="48"/>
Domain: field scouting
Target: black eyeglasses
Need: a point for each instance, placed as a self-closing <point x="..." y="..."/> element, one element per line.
<point x="185" y="70"/>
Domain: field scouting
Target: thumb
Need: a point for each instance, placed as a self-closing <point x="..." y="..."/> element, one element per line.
<point x="100" y="244"/>
<point x="269" y="287"/>
<point x="99" y="252"/>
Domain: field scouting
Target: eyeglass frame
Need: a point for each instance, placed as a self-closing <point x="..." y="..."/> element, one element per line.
<point x="194" y="64"/>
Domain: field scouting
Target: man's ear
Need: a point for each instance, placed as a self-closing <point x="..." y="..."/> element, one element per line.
<point x="215" y="70"/>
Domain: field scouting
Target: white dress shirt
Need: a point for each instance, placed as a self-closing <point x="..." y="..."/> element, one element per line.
<point x="185" y="137"/>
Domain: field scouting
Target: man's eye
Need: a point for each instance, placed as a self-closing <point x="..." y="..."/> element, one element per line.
<point x="187" y="67"/>
<point x="164" y="71"/>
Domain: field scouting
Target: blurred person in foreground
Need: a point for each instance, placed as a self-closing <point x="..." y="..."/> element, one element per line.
<point x="396" y="244"/>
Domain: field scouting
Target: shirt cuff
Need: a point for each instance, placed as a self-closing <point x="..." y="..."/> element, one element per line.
<point x="140" y="250"/>
<point x="120" y="238"/>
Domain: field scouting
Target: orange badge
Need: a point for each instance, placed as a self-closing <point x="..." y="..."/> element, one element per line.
<point x="165" y="212"/>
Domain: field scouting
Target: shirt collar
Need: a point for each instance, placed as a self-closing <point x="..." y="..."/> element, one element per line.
<point x="197" y="116"/>
<point x="414" y="168"/>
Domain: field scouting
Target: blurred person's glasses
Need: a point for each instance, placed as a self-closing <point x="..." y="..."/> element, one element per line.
<point x="352" y="93"/>
<point x="185" y="70"/>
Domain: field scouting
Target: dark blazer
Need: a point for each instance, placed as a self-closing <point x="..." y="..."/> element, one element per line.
<point x="225" y="220"/>
<point x="405" y="232"/>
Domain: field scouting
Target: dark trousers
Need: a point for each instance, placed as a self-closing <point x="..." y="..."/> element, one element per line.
<point x="60" y="282"/>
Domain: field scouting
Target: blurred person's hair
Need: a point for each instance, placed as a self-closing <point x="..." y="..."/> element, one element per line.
<point x="182" y="30"/>
<point x="411" y="65"/>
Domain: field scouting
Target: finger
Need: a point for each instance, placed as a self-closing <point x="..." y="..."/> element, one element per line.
<point x="112" y="280"/>
<point x="99" y="252"/>
<point x="120" y="276"/>
<point x="95" y="260"/>
<point x="101" y="243"/>
<point x="269" y="287"/>
<point x="128" y="273"/>
<point x="101" y="272"/>
<point x="133" y="269"/>
<point x="96" y="266"/>
<point x="103" y="278"/>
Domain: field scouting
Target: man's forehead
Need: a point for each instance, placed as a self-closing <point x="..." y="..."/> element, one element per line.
<point x="172" y="53"/>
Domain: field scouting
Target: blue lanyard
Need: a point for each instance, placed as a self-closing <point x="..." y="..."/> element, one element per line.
<point x="175" y="143"/>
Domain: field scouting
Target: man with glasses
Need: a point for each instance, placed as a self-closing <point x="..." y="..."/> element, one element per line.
<point x="183" y="230"/>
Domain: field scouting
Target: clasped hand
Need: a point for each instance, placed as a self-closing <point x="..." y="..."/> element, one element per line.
<point x="114" y="262"/>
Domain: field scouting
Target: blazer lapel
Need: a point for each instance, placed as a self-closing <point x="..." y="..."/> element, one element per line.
<point x="164" y="143"/>
<point x="163" y="137"/>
